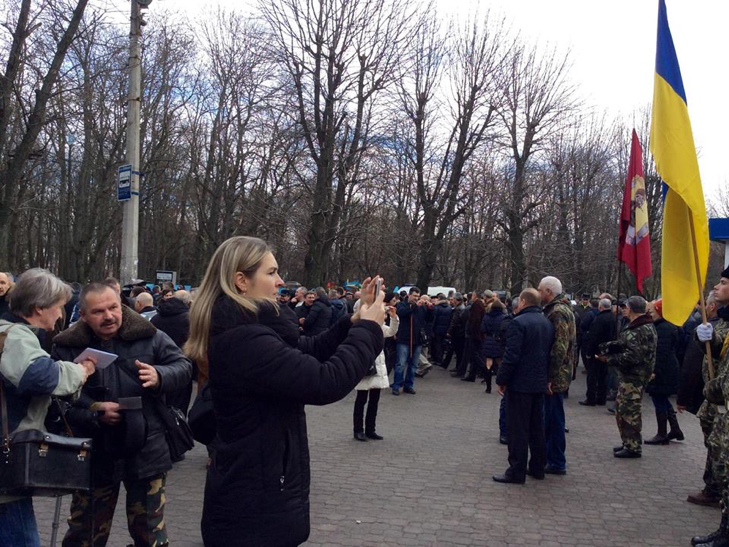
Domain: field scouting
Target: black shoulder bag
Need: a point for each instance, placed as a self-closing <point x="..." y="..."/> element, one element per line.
<point x="37" y="463"/>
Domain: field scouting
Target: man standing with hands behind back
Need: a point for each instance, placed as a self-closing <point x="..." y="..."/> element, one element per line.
<point x="129" y="444"/>
<point x="523" y="373"/>
<point x="561" y="363"/>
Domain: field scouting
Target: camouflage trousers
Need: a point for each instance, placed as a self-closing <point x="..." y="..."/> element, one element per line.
<point x="93" y="514"/>
<point x="710" y="473"/>
<point x="628" y="414"/>
<point x="718" y="443"/>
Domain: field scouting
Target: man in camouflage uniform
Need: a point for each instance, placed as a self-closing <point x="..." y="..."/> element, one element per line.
<point x="716" y="392"/>
<point x="711" y="493"/>
<point x="634" y="356"/>
<point x="561" y="363"/>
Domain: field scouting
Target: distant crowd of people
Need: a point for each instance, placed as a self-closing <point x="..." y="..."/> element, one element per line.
<point x="264" y="352"/>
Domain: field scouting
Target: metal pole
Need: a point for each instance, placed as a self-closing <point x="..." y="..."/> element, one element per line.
<point x="130" y="225"/>
<point x="56" y="521"/>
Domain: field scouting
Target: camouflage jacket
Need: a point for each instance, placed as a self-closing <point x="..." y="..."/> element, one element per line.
<point x="708" y="410"/>
<point x="636" y="357"/>
<point x="562" y="357"/>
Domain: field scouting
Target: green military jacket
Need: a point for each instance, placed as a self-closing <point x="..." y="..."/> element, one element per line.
<point x="636" y="357"/>
<point x="562" y="356"/>
<point x="712" y="391"/>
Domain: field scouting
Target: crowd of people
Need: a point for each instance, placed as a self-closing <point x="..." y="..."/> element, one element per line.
<point x="265" y="352"/>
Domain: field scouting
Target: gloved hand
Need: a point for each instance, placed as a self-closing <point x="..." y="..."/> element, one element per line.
<point x="704" y="332"/>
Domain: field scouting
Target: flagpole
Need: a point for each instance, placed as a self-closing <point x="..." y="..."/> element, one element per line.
<point x="709" y="360"/>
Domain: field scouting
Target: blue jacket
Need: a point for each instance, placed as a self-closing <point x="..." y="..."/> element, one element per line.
<point x="525" y="365"/>
<point x="409" y="331"/>
<point x="491" y="327"/>
<point x="442" y="318"/>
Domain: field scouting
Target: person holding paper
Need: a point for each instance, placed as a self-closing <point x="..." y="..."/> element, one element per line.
<point x="129" y="445"/>
<point x="30" y="376"/>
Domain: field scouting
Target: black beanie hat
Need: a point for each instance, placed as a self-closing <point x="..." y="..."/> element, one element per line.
<point x="725" y="273"/>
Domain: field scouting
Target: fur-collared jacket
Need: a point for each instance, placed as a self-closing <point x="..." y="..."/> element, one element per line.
<point x="115" y="456"/>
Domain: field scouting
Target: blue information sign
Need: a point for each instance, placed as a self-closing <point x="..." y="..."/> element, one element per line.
<point x="124" y="183"/>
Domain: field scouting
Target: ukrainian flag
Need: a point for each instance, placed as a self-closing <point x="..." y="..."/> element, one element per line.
<point x="672" y="145"/>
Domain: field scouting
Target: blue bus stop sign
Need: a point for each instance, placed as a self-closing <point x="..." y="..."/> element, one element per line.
<point x="124" y="183"/>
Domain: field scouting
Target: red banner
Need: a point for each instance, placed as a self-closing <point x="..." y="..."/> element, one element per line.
<point x="634" y="245"/>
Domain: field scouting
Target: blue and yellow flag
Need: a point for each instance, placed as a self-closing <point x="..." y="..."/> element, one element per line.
<point x="672" y="145"/>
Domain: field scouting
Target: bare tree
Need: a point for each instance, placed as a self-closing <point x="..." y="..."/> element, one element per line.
<point x="537" y="99"/>
<point x="338" y="56"/>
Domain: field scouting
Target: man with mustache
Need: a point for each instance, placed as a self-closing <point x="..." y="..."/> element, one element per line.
<point x="129" y="442"/>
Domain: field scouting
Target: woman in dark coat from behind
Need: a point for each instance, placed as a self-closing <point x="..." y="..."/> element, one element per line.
<point x="492" y="347"/>
<point x="475" y="317"/>
<point x="261" y="376"/>
<point x="664" y="381"/>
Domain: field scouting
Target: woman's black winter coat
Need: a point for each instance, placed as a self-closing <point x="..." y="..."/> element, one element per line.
<point x="491" y="327"/>
<point x="261" y="376"/>
<point x="667" y="369"/>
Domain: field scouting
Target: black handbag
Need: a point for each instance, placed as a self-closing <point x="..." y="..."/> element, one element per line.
<point x="38" y="463"/>
<point x="201" y="417"/>
<point x="178" y="432"/>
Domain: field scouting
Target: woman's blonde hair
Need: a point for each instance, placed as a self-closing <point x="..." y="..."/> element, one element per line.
<point x="237" y="254"/>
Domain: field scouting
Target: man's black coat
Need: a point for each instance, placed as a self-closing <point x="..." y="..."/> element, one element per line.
<point x="525" y="364"/>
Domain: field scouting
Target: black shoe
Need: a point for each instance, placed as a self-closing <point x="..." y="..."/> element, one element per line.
<point x="360" y="436"/>
<point x="658" y="439"/>
<point x="506" y="479"/>
<point x="554" y="471"/>
<point x="409" y="391"/>
<point x="374" y="436"/>
<point x="611" y="409"/>
<point x="715" y="537"/>
<point x="625" y="453"/>
<point x="618" y="448"/>
<point x="488" y="390"/>
<point x="503" y="440"/>
<point x="468" y="379"/>
<point x="539" y="477"/>
<point x="396" y="392"/>
<point x="585" y="402"/>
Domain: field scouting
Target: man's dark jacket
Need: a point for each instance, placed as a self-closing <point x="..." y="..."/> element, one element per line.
<point x="413" y="319"/>
<point x="173" y="318"/>
<point x="261" y="376"/>
<point x="603" y="328"/>
<point x="319" y="317"/>
<point x="667" y="368"/>
<point x="137" y="339"/>
<point x="584" y="326"/>
<point x="4" y="305"/>
<point x="525" y="365"/>
<point x="442" y="320"/>
<point x="339" y="310"/>
<point x="459" y="319"/>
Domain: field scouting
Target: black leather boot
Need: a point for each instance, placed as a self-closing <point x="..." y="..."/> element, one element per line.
<point x="675" y="433"/>
<point x="710" y="540"/>
<point x="661" y="437"/>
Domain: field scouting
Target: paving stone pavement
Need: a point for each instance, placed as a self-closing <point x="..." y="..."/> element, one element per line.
<point x="429" y="482"/>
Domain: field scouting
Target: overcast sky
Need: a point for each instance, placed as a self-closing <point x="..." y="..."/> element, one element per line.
<point x="613" y="51"/>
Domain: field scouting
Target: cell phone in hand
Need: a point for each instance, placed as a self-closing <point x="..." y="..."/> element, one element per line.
<point x="378" y="287"/>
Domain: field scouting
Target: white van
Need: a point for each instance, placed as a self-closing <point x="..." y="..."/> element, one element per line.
<point x="447" y="291"/>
